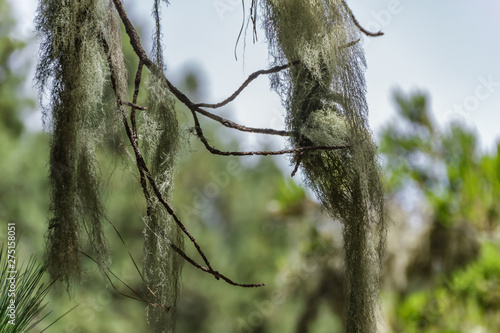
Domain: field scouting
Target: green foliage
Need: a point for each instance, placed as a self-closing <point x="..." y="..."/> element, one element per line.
<point x="22" y="189"/>
<point x="459" y="184"/>
<point x="469" y="300"/>
<point x="458" y="181"/>
<point x="480" y="280"/>
<point x="325" y="99"/>
<point x="29" y="293"/>
<point x="11" y="100"/>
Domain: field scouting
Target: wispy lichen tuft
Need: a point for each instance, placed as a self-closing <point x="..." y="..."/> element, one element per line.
<point x="90" y="206"/>
<point x="162" y="265"/>
<point x="325" y="100"/>
<point x="73" y="69"/>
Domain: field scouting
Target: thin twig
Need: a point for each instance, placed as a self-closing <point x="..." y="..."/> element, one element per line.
<point x="134" y="106"/>
<point x="142" y="165"/>
<point x="138" y="298"/>
<point x="241" y="31"/>
<point x="255" y="75"/>
<point x="133" y="260"/>
<point x="137" y="81"/>
<point x="225" y="122"/>
<point x="253" y="18"/>
<point x="297" y="164"/>
<point x="250" y="78"/>
<point x="214" y="273"/>
<point x="137" y="86"/>
<point x="358" y="25"/>
<point x="231" y="124"/>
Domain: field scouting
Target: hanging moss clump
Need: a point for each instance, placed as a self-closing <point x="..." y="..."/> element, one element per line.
<point x="325" y="100"/>
<point x="162" y="265"/>
<point x="73" y="68"/>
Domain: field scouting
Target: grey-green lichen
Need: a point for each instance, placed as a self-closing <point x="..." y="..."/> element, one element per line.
<point x="80" y="39"/>
<point x="325" y="100"/>
<point x="73" y="69"/>
<point x="162" y="265"/>
<point x="325" y="127"/>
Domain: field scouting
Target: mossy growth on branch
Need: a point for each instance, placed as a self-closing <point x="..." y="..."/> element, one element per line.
<point x="325" y="100"/>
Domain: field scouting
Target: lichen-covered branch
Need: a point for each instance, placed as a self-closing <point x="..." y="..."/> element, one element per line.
<point x="141" y="164"/>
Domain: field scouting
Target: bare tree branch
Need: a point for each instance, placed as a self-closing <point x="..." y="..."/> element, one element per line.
<point x="141" y="164"/>
<point x="215" y="273"/>
<point x="358" y="25"/>
<point x="145" y="173"/>
<point x="250" y="78"/>
<point x="215" y="151"/>
<point x="139" y="50"/>
<point x="226" y="122"/>
<point x="137" y="86"/>
<point x="134" y="106"/>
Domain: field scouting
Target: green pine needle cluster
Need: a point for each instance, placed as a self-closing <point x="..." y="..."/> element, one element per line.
<point x="30" y="293"/>
<point x="325" y="100"/>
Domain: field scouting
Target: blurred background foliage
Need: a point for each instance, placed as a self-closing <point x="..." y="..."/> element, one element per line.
<point x="257" y="224"/>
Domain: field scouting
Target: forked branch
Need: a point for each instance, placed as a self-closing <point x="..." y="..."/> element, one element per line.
<point x="132" y="134"/>
<point x="215" y="151"/>
<point x="146" y="174"/>
<point x="143" y="57"/>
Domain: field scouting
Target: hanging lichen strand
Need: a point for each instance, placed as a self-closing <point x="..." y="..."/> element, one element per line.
<point x="162" y="266"/>
<point x="73" y="68"/>
<point x="325" y="100"/>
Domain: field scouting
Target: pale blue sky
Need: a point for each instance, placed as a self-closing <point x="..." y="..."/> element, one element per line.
<point x="448" y="48"/>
